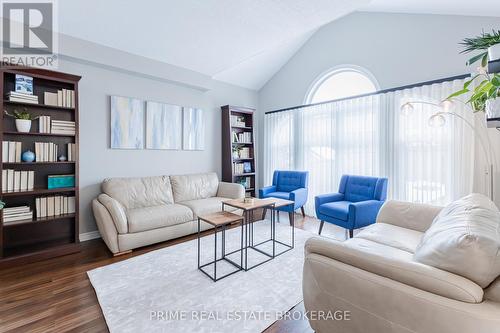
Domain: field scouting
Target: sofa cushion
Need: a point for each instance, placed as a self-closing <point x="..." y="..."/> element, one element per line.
<point x="280" y="195"/>
<point x="147" y="218"/>
<point x="391" y="235"/>
<point x="465" y="239"/>
<point x="207" y="206"/>
<point x="336" y="209"/>
<point x="139" y="192"/>
<point x="193" y="187"/>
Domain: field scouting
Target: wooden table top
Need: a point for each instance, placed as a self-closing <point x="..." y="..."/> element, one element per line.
<point x="257" y="203"/>
<point x="281" y="202"/>
<point x="220" y="218"/>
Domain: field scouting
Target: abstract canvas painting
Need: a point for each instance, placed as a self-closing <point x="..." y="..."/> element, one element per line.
<point x="163" y="126"/>
<point x="127" y="123"/>
<point x="193" y="129"/>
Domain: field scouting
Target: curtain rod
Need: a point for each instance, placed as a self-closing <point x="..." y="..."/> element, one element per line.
<point x="384" y="91"/>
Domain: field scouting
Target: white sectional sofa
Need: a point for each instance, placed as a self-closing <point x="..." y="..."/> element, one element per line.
<point x="419" y="268"/>
<point x="135" y="212"/>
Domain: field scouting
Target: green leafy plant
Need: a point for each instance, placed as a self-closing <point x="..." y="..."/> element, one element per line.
<point x="480" y="43"/>
<point x="488" y="88"/>
<point x="25" y="115"/>
<point x="2" y="204"/>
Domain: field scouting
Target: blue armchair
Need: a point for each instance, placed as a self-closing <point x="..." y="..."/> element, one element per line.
<point x="289" y="185"/>
<point x="355" y="206"/>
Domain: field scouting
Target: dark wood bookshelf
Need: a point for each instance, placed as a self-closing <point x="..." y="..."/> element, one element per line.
<point x="40" y="238"/>
<point x="246" y="115"/>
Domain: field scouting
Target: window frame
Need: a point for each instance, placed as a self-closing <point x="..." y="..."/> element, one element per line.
<point x="311" y="91"/>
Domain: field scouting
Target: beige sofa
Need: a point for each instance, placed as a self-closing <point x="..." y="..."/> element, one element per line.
<point x="134" y="212"/>
<point x="406" y="273"/>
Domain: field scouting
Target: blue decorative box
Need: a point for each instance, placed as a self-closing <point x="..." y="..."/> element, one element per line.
<point x="60" y="181"/>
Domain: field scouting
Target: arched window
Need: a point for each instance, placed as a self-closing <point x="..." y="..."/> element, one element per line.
<point x="341" y="82"/>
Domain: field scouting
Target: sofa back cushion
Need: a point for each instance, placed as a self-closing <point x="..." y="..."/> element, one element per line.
<point x="195" y="186"/>
<point x="288" y="181"/>
<point x="362" y="188"/>
<point x="464" y="239"/>
<point x="139" y="192"/>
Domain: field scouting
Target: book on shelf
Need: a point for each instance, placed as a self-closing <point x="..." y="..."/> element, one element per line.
<point x="55" y="205"/>
<point x="11" y="151"/>
<point x="243" y="137"/>
<point x="44" y="124"/>
<point x="238" y="121"/>
<point x="63" y="127"/>
<point x="17" y="181"/>
<point x="242" y="168"/>
<point x="71" y="152"/>
<point x="24" y="84"/>
<point x="66" y="98"/>
<point x="50" y="98"/>
<point x="46" y="151"/>
<point x="20" y="97"/>
<point x="15" y="214"/>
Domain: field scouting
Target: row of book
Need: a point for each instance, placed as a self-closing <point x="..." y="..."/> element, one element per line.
<point x="71" y="149"/>
<point x="15" y="214"/>
<point x="241" y="168"/>
<point x="63" y="98"/>
<point x="62" y="127"/>
<point x="245" y="181"/>
<point x="11" y="151"/>
<point x="244" y="152"/>
<point x="46" y="151"/>
<point x="54" y="206"/>
<point x="17" y="181"/>
<point x="238" y="121"/>
<point x="22" y="97"/>
<point x="243" y="137"/>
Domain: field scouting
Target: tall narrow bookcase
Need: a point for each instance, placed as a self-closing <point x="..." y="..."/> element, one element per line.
<point x="41" y="238"/>
<point x="238" y="122"/>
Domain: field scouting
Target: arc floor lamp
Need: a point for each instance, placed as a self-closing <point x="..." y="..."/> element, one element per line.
<point x="438" y="119"/>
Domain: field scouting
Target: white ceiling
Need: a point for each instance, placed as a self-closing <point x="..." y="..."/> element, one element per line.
<point x="443" y="7"/>
<point x="244" y="42"/>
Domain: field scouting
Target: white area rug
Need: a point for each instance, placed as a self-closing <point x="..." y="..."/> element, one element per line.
<point x="163" y="291"/>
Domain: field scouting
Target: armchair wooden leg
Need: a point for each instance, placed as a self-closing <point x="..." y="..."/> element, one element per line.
<point x="264" y="211"/>
<point x="321" y="227"/>
<point x="303" y="212"/>
<point x="351" y="233"/>
<point x="290" y="217"/>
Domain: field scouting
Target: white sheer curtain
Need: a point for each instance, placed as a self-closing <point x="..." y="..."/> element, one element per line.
<point x="370" y="136"/>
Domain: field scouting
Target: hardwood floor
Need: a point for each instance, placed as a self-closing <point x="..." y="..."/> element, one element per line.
<point x="55" y="295"/>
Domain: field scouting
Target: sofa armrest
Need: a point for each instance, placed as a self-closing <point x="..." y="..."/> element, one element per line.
<point x="325" y="198"/>
<point x="299" y="197"/>
<point x="263" y="192"/>
<point x="408" y="215"/>
<point x="364" y="212"/>
<point x="117" y="212"/>
<point x="358" y="253"/>
<point x="106" y="226"/>
<point x="231" y="190"/>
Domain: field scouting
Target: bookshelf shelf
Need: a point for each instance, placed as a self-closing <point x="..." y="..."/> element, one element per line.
<point x="232" y="152"/>
<point x="29" y="240"/>
<point x="38" y="191"/>
<point x="37" y="134"/>
<point x="40" y="220"/>
<point x="38" y="163"/>
<point x="41" y="106"/>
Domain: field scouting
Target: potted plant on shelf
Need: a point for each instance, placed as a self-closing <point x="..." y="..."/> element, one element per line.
<point x="484" y="87"/>
<point x="23" y="120"/>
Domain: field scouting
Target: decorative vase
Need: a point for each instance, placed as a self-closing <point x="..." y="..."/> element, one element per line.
<point x="62" y="158"/>
<point x="28" y="156"/>
<point x="494" y="52"/>
<point x="23" y="125"/>
<point x="493" y="108"/>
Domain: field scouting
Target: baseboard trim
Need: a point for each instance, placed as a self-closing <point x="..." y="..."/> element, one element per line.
<point x="89" y="235"/>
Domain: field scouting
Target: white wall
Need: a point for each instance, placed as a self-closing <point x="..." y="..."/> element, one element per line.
<point x="398" y="49"/>
<point x="98" y="161"/>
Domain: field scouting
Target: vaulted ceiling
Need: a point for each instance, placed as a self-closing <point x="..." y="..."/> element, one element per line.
<point x="243" y="42"/>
